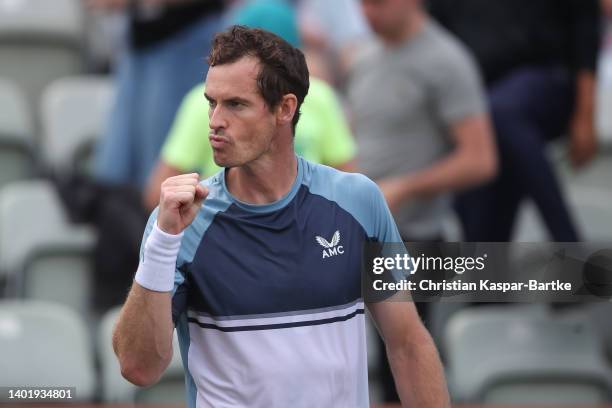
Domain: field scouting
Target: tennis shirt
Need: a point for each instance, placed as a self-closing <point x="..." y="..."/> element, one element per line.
<point x="267" y="300"/>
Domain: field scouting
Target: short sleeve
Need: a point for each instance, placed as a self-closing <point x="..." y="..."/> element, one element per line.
<point x="458" y="89"/>
<point x="388" y="241"/>
<point x="187" y="147"/>
<point x="385" y="229"/>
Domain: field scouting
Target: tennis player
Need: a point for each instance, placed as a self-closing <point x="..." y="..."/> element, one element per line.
<point x="258" y="267"/>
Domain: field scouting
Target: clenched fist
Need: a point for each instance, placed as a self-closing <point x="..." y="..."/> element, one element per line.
<point x="180" y="200"/>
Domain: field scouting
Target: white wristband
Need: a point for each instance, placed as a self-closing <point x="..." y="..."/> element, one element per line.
<point x="157" y="266"/>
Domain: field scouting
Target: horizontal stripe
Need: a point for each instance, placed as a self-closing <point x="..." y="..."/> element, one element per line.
<point x="286" y="318"/>
<point x="208" y="318"/>
<point x="278" y="325"/>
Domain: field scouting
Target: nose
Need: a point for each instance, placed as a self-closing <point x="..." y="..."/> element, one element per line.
<point x="216" y="118"/>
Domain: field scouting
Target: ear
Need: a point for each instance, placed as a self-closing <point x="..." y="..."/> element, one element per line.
<point x="286" y="109"/>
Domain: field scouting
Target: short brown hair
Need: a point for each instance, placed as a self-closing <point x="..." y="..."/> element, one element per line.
<point x="283" y="67"/>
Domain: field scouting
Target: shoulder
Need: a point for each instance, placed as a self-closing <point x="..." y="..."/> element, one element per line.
<point x="369" y="53"/>
<point x="348" y="190"/>
<point x="444" y="52"/>
<point x="354" y="193"/>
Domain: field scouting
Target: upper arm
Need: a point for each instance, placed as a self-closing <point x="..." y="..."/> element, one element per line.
<point x="458" y="92"/>
<point x="461" y="105"/>
<point x="397" y="322"/>
<point x="474" y="134"/>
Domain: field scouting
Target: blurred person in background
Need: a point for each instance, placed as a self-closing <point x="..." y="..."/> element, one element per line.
<point x="332" y="33"/>
<point x="322" y="134"/>
<point x="420" y="120"/>
<point x="419" y="115"/>
<point x="167" y="42"/>
<point x="538" y="59"/>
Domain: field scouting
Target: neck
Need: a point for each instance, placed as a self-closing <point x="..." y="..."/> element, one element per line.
<point x="411" y="27"/>
<point x="265" y="180"/>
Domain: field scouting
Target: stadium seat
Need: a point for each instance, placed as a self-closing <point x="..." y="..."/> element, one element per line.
<point x="439" y="315"/>
<point x="599" y="315"/>
<point x="593" y="211"/>
<point x="16" y="130"/>
<point x="509" y="356"/>
<point x="115" y="389"/>
<point x="73" y="113"/>
<point x="43" y="255"/>
<point x="595" y="174"/>
<point x="40" y="40"/>
<point x="45" y="345"/>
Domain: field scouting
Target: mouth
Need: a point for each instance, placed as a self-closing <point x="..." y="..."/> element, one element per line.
<point x="217" y="142"/>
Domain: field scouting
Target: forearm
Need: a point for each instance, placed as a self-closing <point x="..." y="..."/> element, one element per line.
<point x="458" y="171"/>
<point x="472" y="161"/>
<point x="418" y="374"/>
<point x="142" y="338"/>
<point x="415" y="364"/>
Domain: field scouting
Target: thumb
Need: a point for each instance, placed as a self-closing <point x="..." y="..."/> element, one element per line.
<point x="201" y="193"/>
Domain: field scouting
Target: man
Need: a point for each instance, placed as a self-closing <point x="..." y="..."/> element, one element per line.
<point x="264" y="320"/>
<point x="539" y="59"/>
<point x="322" y="134"/>
<point x="420" y="120"/>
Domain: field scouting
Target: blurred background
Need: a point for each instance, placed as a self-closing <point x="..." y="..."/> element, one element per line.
<point x="481" y="121"/>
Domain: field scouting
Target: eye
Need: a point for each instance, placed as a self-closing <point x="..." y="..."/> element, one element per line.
<point x="234" y="104"/>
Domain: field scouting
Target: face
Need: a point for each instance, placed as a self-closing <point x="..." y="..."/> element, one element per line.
<point x="386" y="17"/>
<point x="242" y="127"/>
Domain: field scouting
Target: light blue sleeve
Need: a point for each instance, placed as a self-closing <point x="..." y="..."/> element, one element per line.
<point x="385" y="231"/>
<point x="361" y="197"/>
<point x="384" y="227"/>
